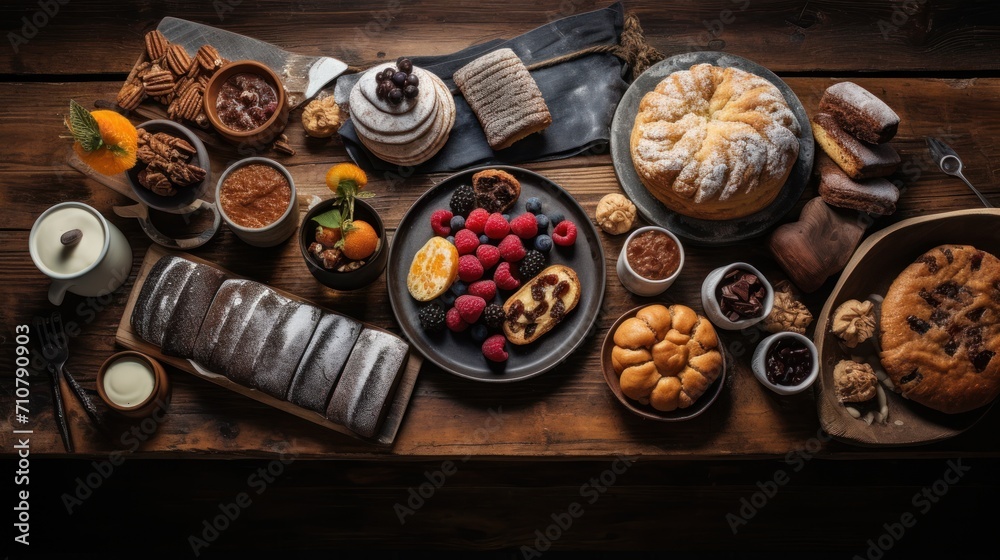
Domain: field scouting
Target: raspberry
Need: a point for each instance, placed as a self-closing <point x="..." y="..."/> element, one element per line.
<point x="469" y="268"/>
<point x="432" y="317"/>
<point x="477" y="220"/>
<point x="504" y="278"/>
<point x="496" y="227"/>
<point x="524" y="226"/>
<point x="485" y="289"/>
<point x="466" y="242"/>
<point x="441" y="222"/>
<point x="511" y="249"/>
<point x="470" y="308"/>
<point x="454" y="321"/>
<point x="463" y="200"/>
<point x="494" y="350"/>
<point x="494" y="316"/>
<point x="532" y="264"/>
<point x="564" y="233"/>
<point x="488" y="255"/>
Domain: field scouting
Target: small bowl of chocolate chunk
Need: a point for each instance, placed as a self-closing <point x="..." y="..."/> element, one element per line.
<point x="736" y="296"/>
<point x="786" y="363"/>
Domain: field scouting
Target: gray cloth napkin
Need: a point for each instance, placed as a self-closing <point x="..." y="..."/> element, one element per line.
<point x="581" y="95"/>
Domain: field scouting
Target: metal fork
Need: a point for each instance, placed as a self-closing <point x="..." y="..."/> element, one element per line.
<point x="949" y="162"/>
<point x="55" y="350"/>
<point x="57" y="344"/>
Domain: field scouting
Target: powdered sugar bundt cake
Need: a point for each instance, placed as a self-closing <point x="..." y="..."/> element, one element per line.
<point x="714" y="143"/>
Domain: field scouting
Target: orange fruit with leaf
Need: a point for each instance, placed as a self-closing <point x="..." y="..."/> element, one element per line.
<point x="104" y="140"/>
<point x="360" y="240"/>
<point x="356" y="238"/>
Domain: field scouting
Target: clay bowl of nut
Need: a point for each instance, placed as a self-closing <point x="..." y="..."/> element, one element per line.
<point x="246" y="103"/>
<point x="647" y="352"/>
<point x="333" y="265"/>
<point x="173" y="168"/>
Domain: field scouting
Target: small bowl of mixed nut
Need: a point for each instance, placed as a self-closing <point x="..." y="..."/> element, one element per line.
<point x="173" y="168"/>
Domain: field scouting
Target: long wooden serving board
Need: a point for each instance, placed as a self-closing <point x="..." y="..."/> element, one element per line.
<point x="127" y="338"/>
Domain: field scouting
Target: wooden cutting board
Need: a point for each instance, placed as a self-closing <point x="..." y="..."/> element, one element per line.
<point x="127" y="338"/>
<point x="872" y="270"/>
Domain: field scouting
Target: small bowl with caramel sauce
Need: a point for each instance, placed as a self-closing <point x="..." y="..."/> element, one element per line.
<point x="650" y="261"/>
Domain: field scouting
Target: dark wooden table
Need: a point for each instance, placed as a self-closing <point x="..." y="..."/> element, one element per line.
<point x="934" y="62"/>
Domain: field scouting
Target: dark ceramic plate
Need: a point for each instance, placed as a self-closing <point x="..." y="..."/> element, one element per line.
<point x="185" y="195"/>
<point x="692" y="230"/>
<point x="458" y="353"/>
<point x="646" y="411"/>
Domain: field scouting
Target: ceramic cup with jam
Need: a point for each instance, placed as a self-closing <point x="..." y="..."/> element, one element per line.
<point x="256" y="197"/>
<point x="133" y="384"/>
<point x="650" y="261"/>
<point x="82" y="252"/>
<point x="786" y="363"/>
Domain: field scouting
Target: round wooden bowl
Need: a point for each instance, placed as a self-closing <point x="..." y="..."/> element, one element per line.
<point x="647" y="411"/>
<point x="260" y="137"/>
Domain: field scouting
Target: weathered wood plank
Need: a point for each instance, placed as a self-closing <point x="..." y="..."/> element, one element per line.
<point x="784" y="35"/>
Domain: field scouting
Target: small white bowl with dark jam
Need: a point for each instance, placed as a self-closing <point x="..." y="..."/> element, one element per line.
<point x="650" y="261"/>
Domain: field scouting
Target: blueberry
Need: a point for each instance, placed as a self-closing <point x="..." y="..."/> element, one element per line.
<point x="543" y="243"/>
<point x="506" y="217"/>
<point x="543" y="222"/>
<point x="533" y="205"/>
<point x="484" y="239"/>
<point x="457" y="223"/>
<point x="555" y="218"/>
<point x="447" y="299"/>
<point x="450" y="239"/>
<point x="479" y="332"/>
<point x="459" y="288"/>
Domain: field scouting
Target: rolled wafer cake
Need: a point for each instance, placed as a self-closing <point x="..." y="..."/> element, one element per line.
<point x="858" y="159"/>
<point x="874" y="196"/>
<point x="261" y="339"/>
<point x="859" y="112"/>
<point x="504" y="97"/>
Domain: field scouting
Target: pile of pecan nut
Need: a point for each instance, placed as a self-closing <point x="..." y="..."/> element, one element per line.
<point x="167" y="163"/>
<point x="173" y="78"/>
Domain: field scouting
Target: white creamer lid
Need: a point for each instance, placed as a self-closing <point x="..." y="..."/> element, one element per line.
<point x="54" y="258"/>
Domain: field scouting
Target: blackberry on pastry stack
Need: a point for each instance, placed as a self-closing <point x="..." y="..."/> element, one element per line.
<point x="402" y="113"/>
<point x="853" y="128"/>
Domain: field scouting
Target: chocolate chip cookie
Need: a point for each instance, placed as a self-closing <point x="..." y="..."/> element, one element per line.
<point x="940" y="329"/>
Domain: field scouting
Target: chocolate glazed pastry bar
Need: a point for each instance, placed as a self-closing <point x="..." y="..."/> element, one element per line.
<point x="263" y="340"/>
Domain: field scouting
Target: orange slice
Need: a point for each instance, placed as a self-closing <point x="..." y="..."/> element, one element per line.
<point x="434" y="269"/>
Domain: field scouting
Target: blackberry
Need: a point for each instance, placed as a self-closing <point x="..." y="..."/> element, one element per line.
<point x="532" y="264"/>
<point x="432" y="317"/>
<point x="493" y="316"/>
<point x="463" y="200"/>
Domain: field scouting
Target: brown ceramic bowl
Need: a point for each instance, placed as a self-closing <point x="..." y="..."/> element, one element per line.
<point x="647" y="411"/>
<point x="262" y="135"/>
<point x="161" y="386"/>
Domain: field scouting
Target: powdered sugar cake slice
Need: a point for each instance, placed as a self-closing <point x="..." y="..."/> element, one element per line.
<point x="323" y="361"/>
<point x="158" y="298"/>
<point x="181" y="332"/>
<point x="225" y="321"/>
<point x="282" y="350"/>
<point x="247" y="340"/>
<point x="365" y="388"/>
